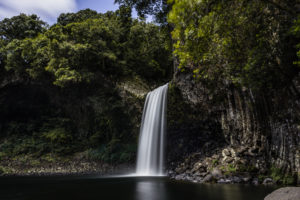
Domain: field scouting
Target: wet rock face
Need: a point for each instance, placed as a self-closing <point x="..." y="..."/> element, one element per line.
<point x="287" y="193"/>
<point x="260" y="131"/>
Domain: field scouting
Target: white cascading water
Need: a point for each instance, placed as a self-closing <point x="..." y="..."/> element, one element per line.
<point x="150" y="160"/>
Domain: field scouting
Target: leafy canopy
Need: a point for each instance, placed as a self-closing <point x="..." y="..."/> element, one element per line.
<point x="156" y="8"/>
<point x="245" y="42"/>
<point x="21" y="27"/>
<point x="82" y="45"/>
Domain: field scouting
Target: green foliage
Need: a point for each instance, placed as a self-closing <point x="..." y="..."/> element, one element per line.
<point x="114" y="153"/>
<point x="276" y="174"/>
<point x="82" y="15"/>
<point x="97" y="154"/>
<point x="279" y="177"/>
<point x="157" y="8"/>
<point x="57" y="135"/>
<point x="296" y="31"/>
<point x="245" y="42"/>
<point x="5" y="170"/>
<point x="247" y="168"/>
<point x="58" y="84"/>
<point x="215" y="162"/>
<point x="261" y="178"/>
<point x="83" y="44"/>
<point x="21" y="27"/>
<point x="231" y="168"/>
<point x="2" y="155"/>
<point x="155" y="60"/>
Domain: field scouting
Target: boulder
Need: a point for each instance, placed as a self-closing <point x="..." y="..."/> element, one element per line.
<point x="287" y="193"/>
<point x="242" y="150"/>
<point x="198" y="180"/>
<point x="237" y="179"/>
<point x="255" y="181"/>
<point x="268" y="181"/>
<point x="179" y="177"/>
<point x="198" y="167"/>
<point x="226" y="153"/>
<point x="208" y="178"/>
<point x="246" y="179"/>
<point x="216" y="173"/>
<point x="224" y="181"/>
<point x="233" y="153"/>
<point x="228" y="160"/>
<point x="189" y="178"/>
<point x="203" y="174"/>
<point x="179" y="170"/>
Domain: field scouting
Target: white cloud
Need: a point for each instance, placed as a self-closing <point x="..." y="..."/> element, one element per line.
<point x="6" y="12"/>
<point x="48" y="10"/>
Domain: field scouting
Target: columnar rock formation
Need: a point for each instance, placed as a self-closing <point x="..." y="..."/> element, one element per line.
<point x="262" y="131"/>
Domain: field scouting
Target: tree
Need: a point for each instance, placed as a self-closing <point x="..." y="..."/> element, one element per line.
<point x="245" y="42"/>
<point x="152" y="45"/>
<point x="21" y="27"/>
<point x="80" y="16"/>
<point x="296" y="32"/>
<point x="1" y="58"/>
<point x="60" y="85"/>
<point x="112" y="44"/>
<point x="158" y="8"/>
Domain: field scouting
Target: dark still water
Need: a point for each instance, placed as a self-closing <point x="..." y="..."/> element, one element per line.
<point x="127" y="188"/>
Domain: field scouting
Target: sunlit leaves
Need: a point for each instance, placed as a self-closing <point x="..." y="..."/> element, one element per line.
<point x="84" y="44"/>
<point x="240" y="41"/>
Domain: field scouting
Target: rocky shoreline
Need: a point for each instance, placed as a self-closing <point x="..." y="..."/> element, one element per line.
<point x="223" y="165"/>
<point x="230" y="165"/>
<point x="68" y="168"/>
<point x="216" y="177"/>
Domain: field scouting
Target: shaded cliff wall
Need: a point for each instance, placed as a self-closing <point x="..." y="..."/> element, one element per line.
<point x="238" y="117"/>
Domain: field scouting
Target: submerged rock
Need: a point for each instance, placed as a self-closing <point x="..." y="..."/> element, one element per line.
<point x="287" y="193"/>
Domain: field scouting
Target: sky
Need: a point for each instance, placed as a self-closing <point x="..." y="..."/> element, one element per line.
<point x="49" y="10"/>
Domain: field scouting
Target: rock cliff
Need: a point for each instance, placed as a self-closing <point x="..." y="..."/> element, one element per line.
<point x="242" y="133"/>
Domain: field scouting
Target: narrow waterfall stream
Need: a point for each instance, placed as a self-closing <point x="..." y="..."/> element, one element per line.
<point x="150" y="160"/>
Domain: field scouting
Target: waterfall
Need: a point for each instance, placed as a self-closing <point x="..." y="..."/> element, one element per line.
<point x="150" y="160"/>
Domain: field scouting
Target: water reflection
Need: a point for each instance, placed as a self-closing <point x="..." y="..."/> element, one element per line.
<point x="125" y="188"/>
<point x="150" y="190"/>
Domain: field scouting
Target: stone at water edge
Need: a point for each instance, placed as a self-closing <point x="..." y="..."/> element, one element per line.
<point x="268" y="181"/>
<point x="208" y="178"/>
<point x="287" y="193"/>
<point x="216" y="173"/>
